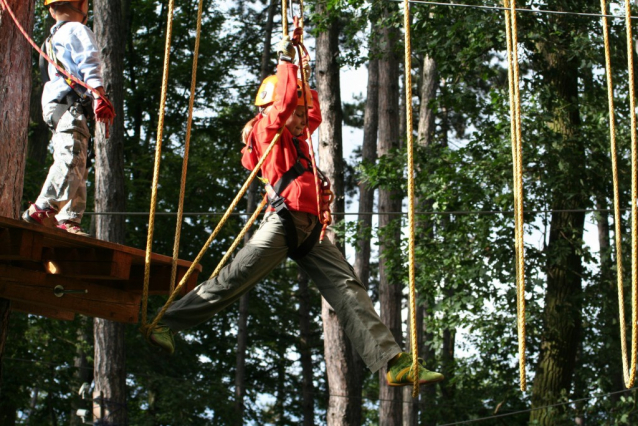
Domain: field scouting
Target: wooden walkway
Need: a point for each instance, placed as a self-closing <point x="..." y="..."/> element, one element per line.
<point x="50" y="272"/>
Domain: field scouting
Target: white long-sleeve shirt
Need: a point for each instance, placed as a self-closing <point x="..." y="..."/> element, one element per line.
<point x="75" y="46"/>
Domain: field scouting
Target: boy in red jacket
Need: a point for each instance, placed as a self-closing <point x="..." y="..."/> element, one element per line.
<point x="293" y="210"/>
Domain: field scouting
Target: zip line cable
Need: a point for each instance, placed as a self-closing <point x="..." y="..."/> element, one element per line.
<point x="462" y="422"/>
<point x="431" y="212"/>
<point x="501" y="8"/>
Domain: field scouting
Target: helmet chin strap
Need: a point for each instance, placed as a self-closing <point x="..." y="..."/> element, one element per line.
<point x="85" y="16"/>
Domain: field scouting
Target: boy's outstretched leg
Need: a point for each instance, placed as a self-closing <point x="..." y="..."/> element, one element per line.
<point x="400" y="372"/>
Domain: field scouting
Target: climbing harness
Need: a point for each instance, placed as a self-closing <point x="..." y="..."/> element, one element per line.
<point x="84" y="101"/>
<point x="296" y="251"/>
<point x="323" y="191"/>
<point x="5" y="6"/>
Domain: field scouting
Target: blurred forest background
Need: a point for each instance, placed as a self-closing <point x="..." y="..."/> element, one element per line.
<point x="262" y="361"/>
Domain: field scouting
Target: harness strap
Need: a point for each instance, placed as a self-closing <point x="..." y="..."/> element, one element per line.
<point x="296" y="251"/>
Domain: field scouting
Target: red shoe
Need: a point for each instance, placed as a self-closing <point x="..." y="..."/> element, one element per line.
<point x="72" y="228"/>
<point x="45" y="217"/>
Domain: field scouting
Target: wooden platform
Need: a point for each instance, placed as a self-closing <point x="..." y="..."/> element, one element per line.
<point x="53" y="273"/>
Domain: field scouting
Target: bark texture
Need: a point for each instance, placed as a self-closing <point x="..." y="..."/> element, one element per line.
<point x="390" y="296"/>
<point x="110" y="355"/>
<point x="15" y="89"/>
<point x="368" y="155"/>
<point x="562" y="312"/>
<point x="344" y="407"/>
<point x="305" y="352"/>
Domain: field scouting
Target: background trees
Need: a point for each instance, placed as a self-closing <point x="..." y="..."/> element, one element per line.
<point x="465" y="250"/>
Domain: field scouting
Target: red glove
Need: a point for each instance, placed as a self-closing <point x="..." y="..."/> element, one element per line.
<point x="104" y="113"/>
<point x="297" y="34"/>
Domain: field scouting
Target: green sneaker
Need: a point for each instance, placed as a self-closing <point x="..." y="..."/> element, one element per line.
<point x="399" y="373"/>
<point x="162" y="337"/>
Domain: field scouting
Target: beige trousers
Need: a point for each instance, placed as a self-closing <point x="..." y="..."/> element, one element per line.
<point x="326" y="267"/>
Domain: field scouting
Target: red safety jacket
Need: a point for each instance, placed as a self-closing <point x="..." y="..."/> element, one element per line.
<point x="301" y="194"/>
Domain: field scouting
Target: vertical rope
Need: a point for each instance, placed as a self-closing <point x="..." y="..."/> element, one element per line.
<point x="411" y="226"/>
<point x="631" y="376"/>
<point x="517" y="157"/>
<point x="147" y="328"/>
<point x="239" y="237"/>
<point x="284" y="16"/>
<point x="158" y="156"/>
<point x="182" y="189"/>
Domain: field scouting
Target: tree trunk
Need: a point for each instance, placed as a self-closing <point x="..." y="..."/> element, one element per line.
<point x="15" y="81"/>
<point x="429" y="84"/>
<point x="83" y="372"/>
<point x="562" y="313"/>
<point x="609" y="292"/>
<point x="369" y="156"/>
<point x="110" y="355"/>
<point x="344" y="407"/>
<point x="366" y="195"/>
<point x="253" y="193"/>
<point x="305" y="352"/>
<point x="389" y="201"/>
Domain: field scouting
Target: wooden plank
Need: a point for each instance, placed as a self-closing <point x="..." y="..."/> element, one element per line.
<point x="45" y="311"/>
<point x="37" y="288"/>
<point x="94" y="264"/>
<point x="20" y="244"/>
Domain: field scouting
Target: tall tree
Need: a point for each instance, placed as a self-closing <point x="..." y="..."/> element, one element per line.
<point x="389" y="202"/>
<point x="344" y="407"/>
<point x="15" y="80"/>
<point x="110" y="196"/>
<point x="252" y="194"/>
<point x="563" y="302"/>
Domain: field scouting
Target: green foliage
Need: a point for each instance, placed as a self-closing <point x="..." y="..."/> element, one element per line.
<point x="465" y="257"/>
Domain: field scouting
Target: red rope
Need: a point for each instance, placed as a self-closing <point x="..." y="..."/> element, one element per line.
<point x="6" y="7"/>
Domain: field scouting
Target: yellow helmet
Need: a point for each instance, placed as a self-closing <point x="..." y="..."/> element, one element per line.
<point x="48" y="2"/>
<point x="266" y="93"/>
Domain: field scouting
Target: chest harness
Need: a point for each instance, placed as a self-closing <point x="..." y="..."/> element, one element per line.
<point x="297" y="251"/>
<point x="75" y="95"/>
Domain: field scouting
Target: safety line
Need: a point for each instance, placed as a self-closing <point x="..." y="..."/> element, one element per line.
<point x="189" y="124"/>
<point x="501" y="8"/>
<point x="73" y="78"/>
<point x="517" y="165"/>
<point x="414" y="345"/>
<point x="512" y="413"/>
<point x="630" y="375"/>
<point x="156" y="164"/>
<point x="431" y="212"/>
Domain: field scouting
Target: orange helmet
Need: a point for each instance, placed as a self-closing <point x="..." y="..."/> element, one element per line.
<point x="266" y="93"/>
<point x="48" y="2"/>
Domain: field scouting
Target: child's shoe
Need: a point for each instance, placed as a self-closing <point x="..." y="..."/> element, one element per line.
<point x="45" y="217"/>
<point x="162" y="337"/>
<point x="72" y="228"/>
<point x="400" y="374"/>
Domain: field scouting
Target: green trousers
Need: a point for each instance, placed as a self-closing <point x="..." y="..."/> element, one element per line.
<point x="326" y="267"/>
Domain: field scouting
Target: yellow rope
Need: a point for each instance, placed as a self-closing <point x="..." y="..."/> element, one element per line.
<point x="629" y="369"/>
<point x="182" y="189"/>
<point x="239" y="237"/>
<point x="147" y="328"/>
<point x="411" y="228"/>
<point x="284" y="16"/>
<point x="158" y="156"/>
<point x="517" y="157"/>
